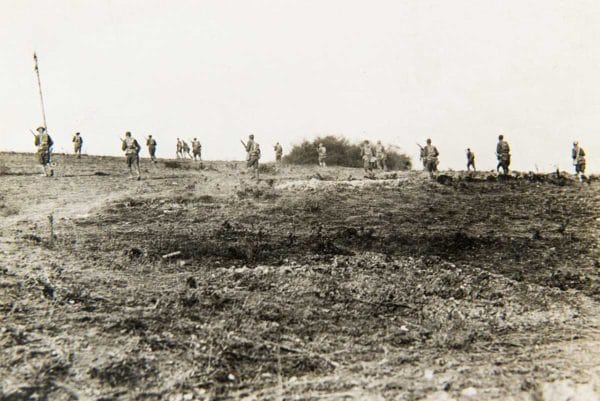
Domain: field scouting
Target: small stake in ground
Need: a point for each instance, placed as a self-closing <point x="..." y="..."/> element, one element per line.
<point x="51" y="223"/>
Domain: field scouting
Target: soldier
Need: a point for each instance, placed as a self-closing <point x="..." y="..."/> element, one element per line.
<point x="366" y="151"/>
<point x="430" y="155"/>
<point x="470" y="160"/>
<point x="422" y="157"/>
<point x="248" y="146"/>
<point x="77" y="144"/>
<point x="151" y="143"/>
<point x="197" y="149"/>
<point x="278" y="152"/>
<point x="253" y="156"/>
<point x="179" y="152"/>
<point x="503" y="155"/>
<point x="381" y="156"/>
<point x="322" y="154"/>
<point x="132" y="148"/>
<point x="578" y="156"/>
<point x="186" y="149"/>
<point x="44" y="143"/>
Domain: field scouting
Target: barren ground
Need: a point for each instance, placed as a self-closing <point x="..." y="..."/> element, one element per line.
<point x="312" y="284"/>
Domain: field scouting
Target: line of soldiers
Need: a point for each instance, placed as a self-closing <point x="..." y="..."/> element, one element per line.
<point x="429" y="156"/>
<point x="372" y="156"/>
<point x="253" y="154"/>
<point x="182" y="150"/>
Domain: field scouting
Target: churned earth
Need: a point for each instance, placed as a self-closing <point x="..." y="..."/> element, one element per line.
<point x="197" y="283"/>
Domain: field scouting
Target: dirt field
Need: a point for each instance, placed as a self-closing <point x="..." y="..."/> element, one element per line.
<point x="310" y="285"/>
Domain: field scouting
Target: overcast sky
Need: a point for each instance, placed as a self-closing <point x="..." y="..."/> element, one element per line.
<point x="460" y="72"/>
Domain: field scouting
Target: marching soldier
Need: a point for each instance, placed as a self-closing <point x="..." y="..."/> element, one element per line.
<point x="322" y="154"/>
<point x="132" y="148"/>
<point x="381" y="156"/>
<point x="179" y="152"/>
<point x="248" y="146"/>
<point x="44" y="143"/>
<point x="470" y="160"/>
<point x="151" y="143"/>
<point x="366" y="151"/>
<point x="422" y="157"/>
<point x="430" y="157"/>
<point x="253" y="156"/>
<point x="503" y="155"/>
<point x="578" y="156"/>
<point x="197" y="149"/>
<point x="278" y="152"/>
<point x="186" y="149"/>
<point x="77" y="144"/>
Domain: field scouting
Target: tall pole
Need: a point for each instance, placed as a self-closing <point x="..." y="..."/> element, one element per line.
<point x="37" y="72"/>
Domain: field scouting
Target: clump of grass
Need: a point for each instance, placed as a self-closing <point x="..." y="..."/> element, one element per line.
<point x="267" y="169"/>
<point x="7" y="210"/>
<point x="4" y="170"/>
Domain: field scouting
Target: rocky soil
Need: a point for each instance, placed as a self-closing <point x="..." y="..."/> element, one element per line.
<point x="197" y="283"/>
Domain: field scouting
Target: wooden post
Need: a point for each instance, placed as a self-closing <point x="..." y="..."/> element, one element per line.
<point x="51" y="223"/>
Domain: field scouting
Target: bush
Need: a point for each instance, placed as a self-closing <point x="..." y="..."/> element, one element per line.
<point x="398" y="161"/>
<point x="340" y="152"/>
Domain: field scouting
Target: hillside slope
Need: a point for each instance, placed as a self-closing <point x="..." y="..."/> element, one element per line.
<point x="199" y="283"/>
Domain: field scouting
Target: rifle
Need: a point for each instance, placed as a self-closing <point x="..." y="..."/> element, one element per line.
<point x="421" y="153"/>
<point x="243" y="144"/>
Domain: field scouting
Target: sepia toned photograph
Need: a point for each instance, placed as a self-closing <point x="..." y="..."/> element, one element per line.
<point x="214" y="200"/>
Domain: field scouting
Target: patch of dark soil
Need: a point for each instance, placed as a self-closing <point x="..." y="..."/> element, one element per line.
<point x="33" y="238"/>
<point x="131" y="325"/>
<point x="245" y="359"/>
<point x="126" y="372"/>
<point x="451" y="244"/>
<point x="134" y="253"/>
<point x="566" y="280"/>
<point x="174" y="164"/>
<point x="444" y="179"/>
<point x="255" y="192"/>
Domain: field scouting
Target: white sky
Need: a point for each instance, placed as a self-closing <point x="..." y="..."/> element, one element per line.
<point x="460" y="72"/>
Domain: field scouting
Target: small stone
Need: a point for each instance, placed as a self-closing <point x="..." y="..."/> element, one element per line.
<point x="469" y="392"/>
